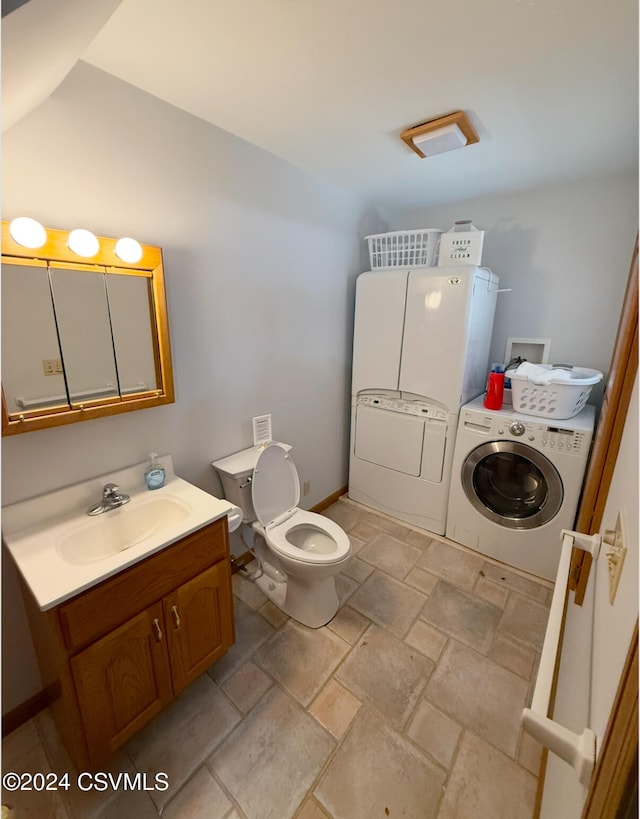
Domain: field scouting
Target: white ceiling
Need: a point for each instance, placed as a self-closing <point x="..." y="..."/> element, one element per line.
<point x="551" y="86"/>
<point x="41" y="42"/>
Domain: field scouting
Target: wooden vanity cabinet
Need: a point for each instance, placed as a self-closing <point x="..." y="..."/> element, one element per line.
<point x="197" y="630"/>
<point x="122" y="681"/>
<point x="123" y="650"/>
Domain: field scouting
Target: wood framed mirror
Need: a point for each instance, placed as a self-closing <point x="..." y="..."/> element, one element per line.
<point x="81" y="338"/>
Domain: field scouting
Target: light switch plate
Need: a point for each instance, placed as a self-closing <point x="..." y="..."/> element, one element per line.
<point x="616" y="550"/>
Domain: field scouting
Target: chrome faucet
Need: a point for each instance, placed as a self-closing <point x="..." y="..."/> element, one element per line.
<point x="111" y="499"/>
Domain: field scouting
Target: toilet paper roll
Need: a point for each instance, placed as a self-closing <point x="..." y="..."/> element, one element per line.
<point x="234" y="518"/>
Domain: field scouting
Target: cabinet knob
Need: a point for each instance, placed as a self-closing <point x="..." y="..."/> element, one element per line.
<point x="156" y="623"/>
<point x="176" y="617"/>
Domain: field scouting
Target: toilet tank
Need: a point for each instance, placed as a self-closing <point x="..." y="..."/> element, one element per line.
<point x="236" y="474"/>
<point x="237" y="489"/>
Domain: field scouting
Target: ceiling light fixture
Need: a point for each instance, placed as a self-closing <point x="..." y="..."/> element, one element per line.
<point x="27" y="232"/>
<point x="83" y="243"/>
<point x="439" y="135"/>
<point x="128" y="250"/>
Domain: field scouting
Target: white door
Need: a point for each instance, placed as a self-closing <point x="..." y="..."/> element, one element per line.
<point x="598" y="633"/>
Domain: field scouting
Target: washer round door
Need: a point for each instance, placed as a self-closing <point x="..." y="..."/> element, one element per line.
<point x="512" y="484"/>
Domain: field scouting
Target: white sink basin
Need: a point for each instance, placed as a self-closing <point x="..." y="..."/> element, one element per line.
<point x="61" y="551"/>
<point x="120" y="529"/>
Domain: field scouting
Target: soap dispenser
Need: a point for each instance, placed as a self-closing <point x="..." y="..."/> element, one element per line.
<point x="154" y="474"/>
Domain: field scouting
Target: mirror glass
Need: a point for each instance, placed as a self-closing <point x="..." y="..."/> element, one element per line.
<point x="82" y="315"/>
<point x="32" y="374"/>
<point x="130" y="306"/>
<point x="80" y="340"/>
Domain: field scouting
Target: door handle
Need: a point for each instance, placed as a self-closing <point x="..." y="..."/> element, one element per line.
<point x="176" y="617"/>
<point x="156" y="623"/>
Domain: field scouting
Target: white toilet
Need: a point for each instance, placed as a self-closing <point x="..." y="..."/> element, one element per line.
<point x="299" y="552"/>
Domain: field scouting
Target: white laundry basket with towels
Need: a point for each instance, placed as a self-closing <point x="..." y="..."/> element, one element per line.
<point x="551" y="392"/>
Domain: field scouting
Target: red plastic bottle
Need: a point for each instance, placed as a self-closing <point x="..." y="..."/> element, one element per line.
<point x="495" y="391"/>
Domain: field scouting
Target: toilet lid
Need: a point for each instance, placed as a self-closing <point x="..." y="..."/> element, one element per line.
<point x="275" y="489"/>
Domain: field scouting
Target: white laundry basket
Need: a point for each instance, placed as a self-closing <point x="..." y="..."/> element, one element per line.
<point x="404" y="248"/>
<point x="559" y="398"/>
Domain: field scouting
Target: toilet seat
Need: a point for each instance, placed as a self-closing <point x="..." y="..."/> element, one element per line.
<point x="275" y="487"/>
<point x="290" y="531"/>
<point x="316" y="530"/>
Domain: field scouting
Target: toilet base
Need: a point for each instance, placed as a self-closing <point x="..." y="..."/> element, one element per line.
<point x="313" y="603"/>
<point x="274" y="590"/>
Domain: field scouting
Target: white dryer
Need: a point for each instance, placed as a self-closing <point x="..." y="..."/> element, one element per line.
<point x="401" y="456"/>
<point x="516" y="482"/>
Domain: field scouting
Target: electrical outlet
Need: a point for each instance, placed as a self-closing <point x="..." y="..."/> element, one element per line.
<point x="306" y="487"/>
<point x="614" y="539"/>
<point x="52" y="366"/>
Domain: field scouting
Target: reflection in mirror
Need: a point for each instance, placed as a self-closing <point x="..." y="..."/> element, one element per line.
<point x="31" y="362"/>
<point x="130" y="303"/>
<point x="82" y="314"/>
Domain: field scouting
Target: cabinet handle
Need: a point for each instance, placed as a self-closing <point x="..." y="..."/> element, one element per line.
<point x="176" y="617"/>
<point x="156" y="623"/>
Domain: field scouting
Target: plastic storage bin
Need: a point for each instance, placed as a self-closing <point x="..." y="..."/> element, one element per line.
<point x="404" y="248"/>
<point x="461" y="245"/>
<point x="559" y="398"/>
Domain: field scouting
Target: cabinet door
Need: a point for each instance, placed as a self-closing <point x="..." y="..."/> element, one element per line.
<point x="435" y="334"/>
<point x="377" y="334"/>
<point x="199" y="617"/>
<point x="122" y="681"/>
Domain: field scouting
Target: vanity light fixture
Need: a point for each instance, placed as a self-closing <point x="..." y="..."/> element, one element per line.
<point x="83" y="243"/>
<point x="439" y="135"/>
<point x="129" y="250"/>
<point x="27" y="232"/>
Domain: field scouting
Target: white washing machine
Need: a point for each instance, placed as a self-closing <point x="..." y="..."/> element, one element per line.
<point x="515" y="484"/>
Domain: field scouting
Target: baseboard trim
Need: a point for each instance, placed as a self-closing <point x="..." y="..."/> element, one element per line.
<point x="326" y="503"/>
<point x="27" y="710"/>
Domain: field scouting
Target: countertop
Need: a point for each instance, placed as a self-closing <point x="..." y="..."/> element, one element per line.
<point x="32" y="529"/>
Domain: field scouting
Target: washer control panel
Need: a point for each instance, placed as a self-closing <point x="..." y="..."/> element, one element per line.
<point x="401" y="405"/>
<point x="540" y="435"/>
<point x="567" y="440"/>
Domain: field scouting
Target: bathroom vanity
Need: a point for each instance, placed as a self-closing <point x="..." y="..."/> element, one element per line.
<point x="116" y="649"/>
<point x="126" y="648"/>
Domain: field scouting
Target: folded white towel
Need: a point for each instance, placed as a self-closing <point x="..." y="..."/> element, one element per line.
<point x="543" y="374"/>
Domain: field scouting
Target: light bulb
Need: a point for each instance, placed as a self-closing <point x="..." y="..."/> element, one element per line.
<point x="128" y="250"/>
<point x="27" y="232"/>
<point x="83" y="243"/>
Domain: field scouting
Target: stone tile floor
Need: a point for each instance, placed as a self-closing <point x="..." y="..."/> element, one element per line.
<point x="406" y="704"/>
